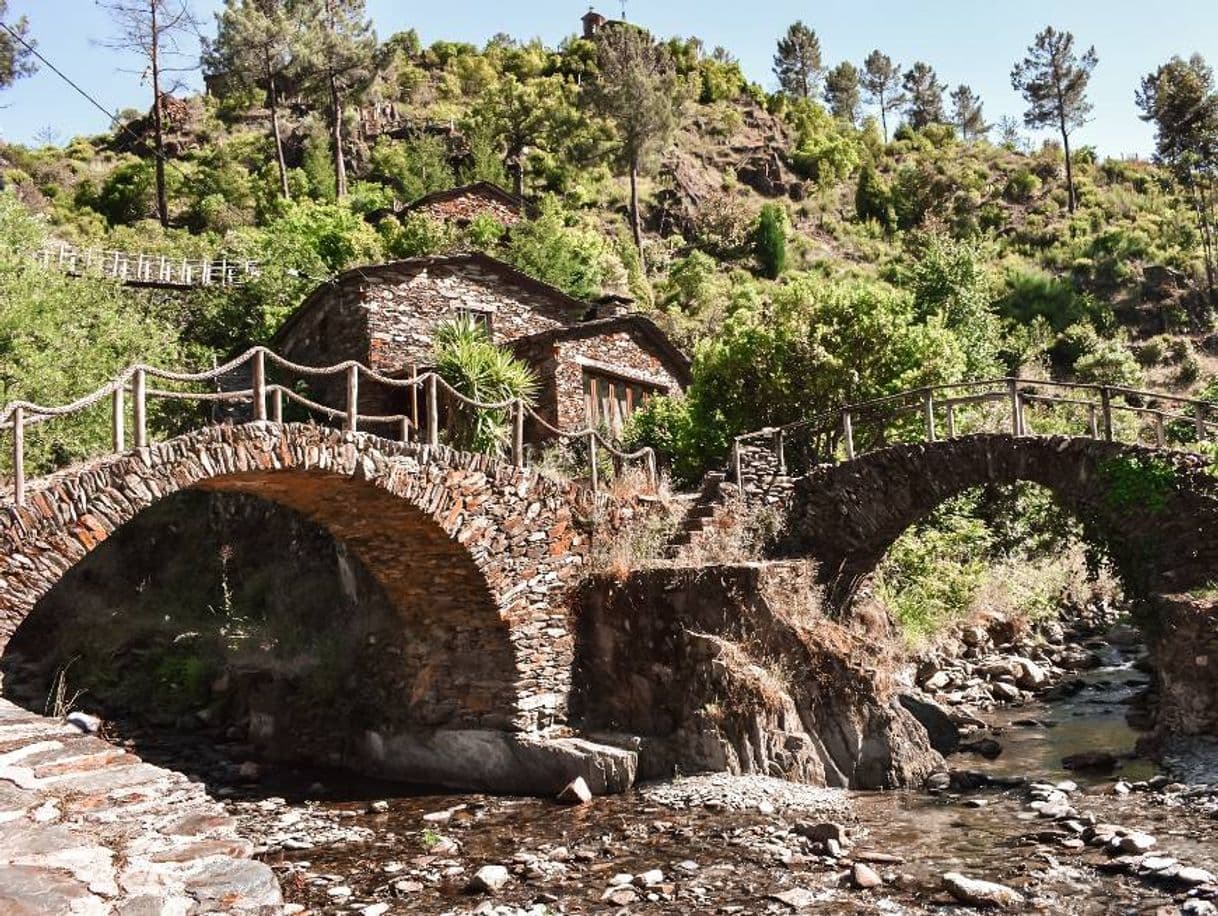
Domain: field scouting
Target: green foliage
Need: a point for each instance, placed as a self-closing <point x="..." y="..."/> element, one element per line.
<point x="770" y="240"/>
<point x="61" y="337"/>
<point x="557" y="249"/>
<point x="873" y="198"/>
<point x="826" y="149"/>
<point x="470" y="362"/>
<point x="416" y="235"/>
<point x="1133" y="482"/>
<point x="412" y="168"/>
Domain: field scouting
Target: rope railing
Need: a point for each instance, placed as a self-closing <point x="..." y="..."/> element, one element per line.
<point x="144" y="267"/>
<point x="267" y="400"/>
<point x="833" y="435"/>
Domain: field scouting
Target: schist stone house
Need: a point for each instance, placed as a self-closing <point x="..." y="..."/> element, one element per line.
<point x="460" y="206"/>
<point x="594" y="362"/>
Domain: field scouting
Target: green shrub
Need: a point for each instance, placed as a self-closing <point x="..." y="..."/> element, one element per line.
<point x="873" y="198"/>
<point x="770" y="240"/>
<point x="1022" y="186"/>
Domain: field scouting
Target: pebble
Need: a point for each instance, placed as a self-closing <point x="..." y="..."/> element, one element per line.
<point x="865" y="877"/>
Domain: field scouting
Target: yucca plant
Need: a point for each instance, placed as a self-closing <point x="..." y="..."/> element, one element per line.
<point x="468" y="360"/>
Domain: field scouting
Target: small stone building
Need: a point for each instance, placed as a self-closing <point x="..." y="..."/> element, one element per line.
<point x="460" y="206"/>
<point x="593" y="367"/>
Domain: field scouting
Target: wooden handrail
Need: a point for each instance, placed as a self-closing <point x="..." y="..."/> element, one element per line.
<point x="137" y="267"/>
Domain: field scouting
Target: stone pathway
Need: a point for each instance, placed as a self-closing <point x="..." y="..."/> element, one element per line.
<point x="87" y="828"/>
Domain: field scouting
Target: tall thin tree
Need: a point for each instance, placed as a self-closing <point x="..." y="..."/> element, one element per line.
<point x="798" y="62"/>
<point x="967" y="113"/>
<point x="16" y="49"/>
<point x="842" y="92"/>
<point x="1053" y="78"/>
<point x="153" y="30"/>
<point x="881" y="80"/>
<point x="256" y="45"/>
<point x="1180" y="99"/>
<point x="338" y="55"/>
<point x="924" y="96"/>
<point x="637" y="90"/>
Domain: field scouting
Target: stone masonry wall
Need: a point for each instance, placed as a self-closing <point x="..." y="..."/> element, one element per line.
<point x="624" y="353"/>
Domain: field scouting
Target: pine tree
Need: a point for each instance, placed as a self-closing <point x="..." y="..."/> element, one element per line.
<point x="1180" y="99"/>
<point x="337" y="56"/>
<point x="881" y="80"/>
<point x="1053" y="80"/>
<point x="256" y="44"/>
<point x="924" y="96"/>
<point x="770" y="240"/>
<point x="16" y="54"/>
<point x="637" y="90"/>
<point x="967" y="113"/>
<point x="152" y="29"/>
<point x="842" y="92"/>
<point x="798" y="62"/>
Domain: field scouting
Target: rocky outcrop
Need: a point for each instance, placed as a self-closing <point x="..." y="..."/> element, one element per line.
<point x="1183" y="642"/>
<point x="734" y="668"/>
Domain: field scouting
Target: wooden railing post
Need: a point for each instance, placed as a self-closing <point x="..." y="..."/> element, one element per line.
<point x="1093" y="421"/>
<point x="653" y="474"/>
<point x="352" y="399"/>
<point x="1106" y="411"/>
<point x="406" y="430"/>
<point x="414" y="396"/>
<point x="518" y="433"/>
<point x="736" y="465"/>
<point x="433" y="411"/>
<point x="19" y="455"/>
<point x="780" y="452"/>
<point x="593" y="470"/>
<point x="848" y="434"/>
<point x="1160" y="432"/>
<point x="1199" y="421"/>
<point x="139" y="408"/>
<point x="1016" y="407"/>
<point x="118" y="421"/>
<point x="950" y="412"/>
<point x="928" y="409"/>
<point x="259" y="385"/>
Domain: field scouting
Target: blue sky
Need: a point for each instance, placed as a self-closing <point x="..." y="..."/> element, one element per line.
<point x="973" y="41"/>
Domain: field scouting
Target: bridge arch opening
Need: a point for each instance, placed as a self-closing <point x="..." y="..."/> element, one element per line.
<point x="467" y="557"/>
<point x="300" y="615"/>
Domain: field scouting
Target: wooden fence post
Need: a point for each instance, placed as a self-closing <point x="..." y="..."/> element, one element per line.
<point x="139" y="408"/>
<point x="736" y="464"/>
<point x="848" y="434"/>
<point x="1016" y="407"/>
<point x="518" y="434"/>
<point x="277" y="405"/>
<point x="118" y="421"/>
<point x="653" y="474"/>
<point x="950" y="410"/>
<point x="414" y="396"/>
<point x="1093" y="421"/>
<point x="353" y="399"/>
<point x="928" y="409"/>
<point x="1199" y="421"/>
<point x="1160" y="432"/>
<point x="259" y="385"/>
<point x="433" y="411"/>
<point x="406" y="430"/>
<point x="780" y="452"/>
<point x="19" y="455"/>
<point x="592" y="458"/>
<point x="1106" y="411"/>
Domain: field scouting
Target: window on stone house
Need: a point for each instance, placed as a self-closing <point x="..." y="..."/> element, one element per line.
<point x="610" y="400"/>
<point x="477" y="316"/>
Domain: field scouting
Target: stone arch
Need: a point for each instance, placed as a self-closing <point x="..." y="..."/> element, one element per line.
<point x="847" y="515"/>
<point x="500" y="544"/>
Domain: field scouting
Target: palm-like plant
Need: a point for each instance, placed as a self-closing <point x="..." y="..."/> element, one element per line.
<point x="468" y="360"/>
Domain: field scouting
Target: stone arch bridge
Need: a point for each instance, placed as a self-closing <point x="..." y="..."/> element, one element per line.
<point x="1155" y="512"/>
<point x="475" y="554"/>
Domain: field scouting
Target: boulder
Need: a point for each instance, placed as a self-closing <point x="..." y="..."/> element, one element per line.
<point x="981" y="893"/>
<point x="943" y="733"/>
<point x="488" y="879"/>
<point x="1030" y="676"/>
<point x="1090" y="760"/>
<point x="864" y="877"/>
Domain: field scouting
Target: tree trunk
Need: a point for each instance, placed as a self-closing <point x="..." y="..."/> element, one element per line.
<point x="1071" y="200"/>
<point x="884" y="118"/>
<point x="1204" y="207"/>
<point x="340" y="161"/>
<point x="158" y="127"/>
<point x="273" y="95"/>
<point x="636" y="222"/>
